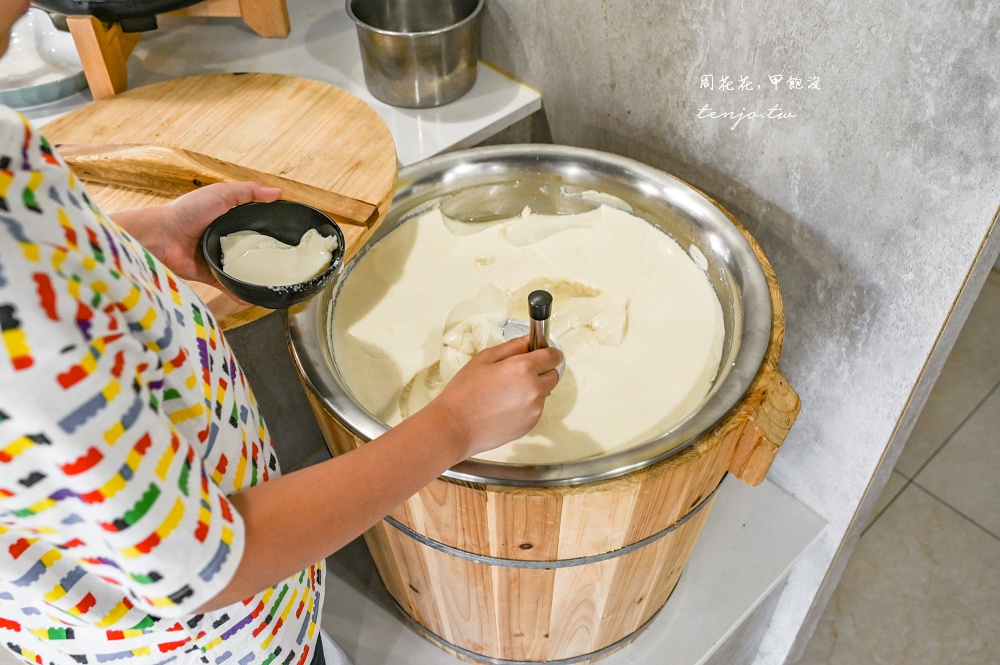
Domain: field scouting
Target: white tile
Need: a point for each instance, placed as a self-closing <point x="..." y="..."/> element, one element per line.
<point x="897" y="482"/>
<point x="972" y="370"/>
<point x="922" y="588"/>
<point x="965" y="473"/>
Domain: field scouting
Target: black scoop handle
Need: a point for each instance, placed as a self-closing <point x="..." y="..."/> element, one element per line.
<point x="540" y="305"/>
<point x="540" y="309"/>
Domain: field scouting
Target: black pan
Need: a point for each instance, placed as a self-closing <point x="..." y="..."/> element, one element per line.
<point x="133" y="15"/>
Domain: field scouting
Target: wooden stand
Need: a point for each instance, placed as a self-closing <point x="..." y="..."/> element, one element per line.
<point x="104" y="49"/>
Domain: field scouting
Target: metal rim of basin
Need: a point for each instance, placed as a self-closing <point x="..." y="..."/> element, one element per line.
<point x="664" y="201"/>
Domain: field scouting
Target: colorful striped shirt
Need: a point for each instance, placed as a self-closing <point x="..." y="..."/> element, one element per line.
<point x="125" y="422"/>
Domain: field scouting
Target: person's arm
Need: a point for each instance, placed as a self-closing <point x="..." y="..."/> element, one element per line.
<point x="298" y="519"/>
<point x="171" y="232"/>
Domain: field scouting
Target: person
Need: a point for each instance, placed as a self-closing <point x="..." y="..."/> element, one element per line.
<point x="143" y="515"/>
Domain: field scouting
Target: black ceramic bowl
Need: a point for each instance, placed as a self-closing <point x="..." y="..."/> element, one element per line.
<point x="286" y="221"/>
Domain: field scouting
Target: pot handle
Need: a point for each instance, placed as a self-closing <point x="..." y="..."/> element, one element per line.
<point x="769" y="418"/>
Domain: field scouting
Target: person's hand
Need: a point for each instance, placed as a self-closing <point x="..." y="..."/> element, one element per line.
<point x="172" y="232"/>
<point x="498" y="396"/>
<point x="189" y="215"/>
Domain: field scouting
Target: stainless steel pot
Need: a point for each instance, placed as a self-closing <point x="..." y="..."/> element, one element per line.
<point x="417" y="53"/>
<point x="665" y="202"/>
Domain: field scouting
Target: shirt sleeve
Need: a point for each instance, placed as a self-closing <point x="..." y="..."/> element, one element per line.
<point x="89" y="457"/>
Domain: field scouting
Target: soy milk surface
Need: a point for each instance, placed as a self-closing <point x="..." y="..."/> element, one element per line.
<point x="640" y="325"/>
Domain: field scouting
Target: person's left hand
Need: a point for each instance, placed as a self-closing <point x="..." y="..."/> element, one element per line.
<point x="172" y="232"/>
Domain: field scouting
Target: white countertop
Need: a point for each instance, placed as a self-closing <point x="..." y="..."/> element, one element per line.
<point x="322" y="45"/>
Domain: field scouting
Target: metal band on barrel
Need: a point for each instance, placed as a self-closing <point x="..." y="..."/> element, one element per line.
<point x="472" y="655"/>
<point x="552" y="564"/>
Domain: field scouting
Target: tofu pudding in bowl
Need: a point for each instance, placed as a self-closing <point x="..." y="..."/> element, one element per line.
<point x="660" y="305"/>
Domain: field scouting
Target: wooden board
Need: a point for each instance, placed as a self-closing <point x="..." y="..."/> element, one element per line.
<point x="292" y="127"/>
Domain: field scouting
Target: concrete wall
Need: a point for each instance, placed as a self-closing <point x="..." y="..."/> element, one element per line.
<point x="871" y="185"/>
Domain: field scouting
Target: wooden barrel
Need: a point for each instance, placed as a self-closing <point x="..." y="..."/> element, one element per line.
<point x="567" y="574"/>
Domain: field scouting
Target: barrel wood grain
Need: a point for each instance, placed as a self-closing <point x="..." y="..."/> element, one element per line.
<point x="532" y="615"/>
<point x="542" y="524"/>
<point x="524" y="600"/>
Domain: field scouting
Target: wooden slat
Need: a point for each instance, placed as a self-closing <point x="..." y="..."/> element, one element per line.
<point x="578" y="608"/>
<point x="524" y="526"/>
<point x="591" y="522"/>
<point x="524" y="611"/>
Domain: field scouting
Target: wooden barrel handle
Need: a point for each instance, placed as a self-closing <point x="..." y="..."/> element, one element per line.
<point x="176" y="171"/>
<point x="765" y="429"/>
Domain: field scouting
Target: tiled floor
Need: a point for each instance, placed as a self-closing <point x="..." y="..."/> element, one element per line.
<point x="923" y="585"/>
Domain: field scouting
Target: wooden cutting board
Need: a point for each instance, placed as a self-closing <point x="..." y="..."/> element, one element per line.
<point x="292" y="127"/>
